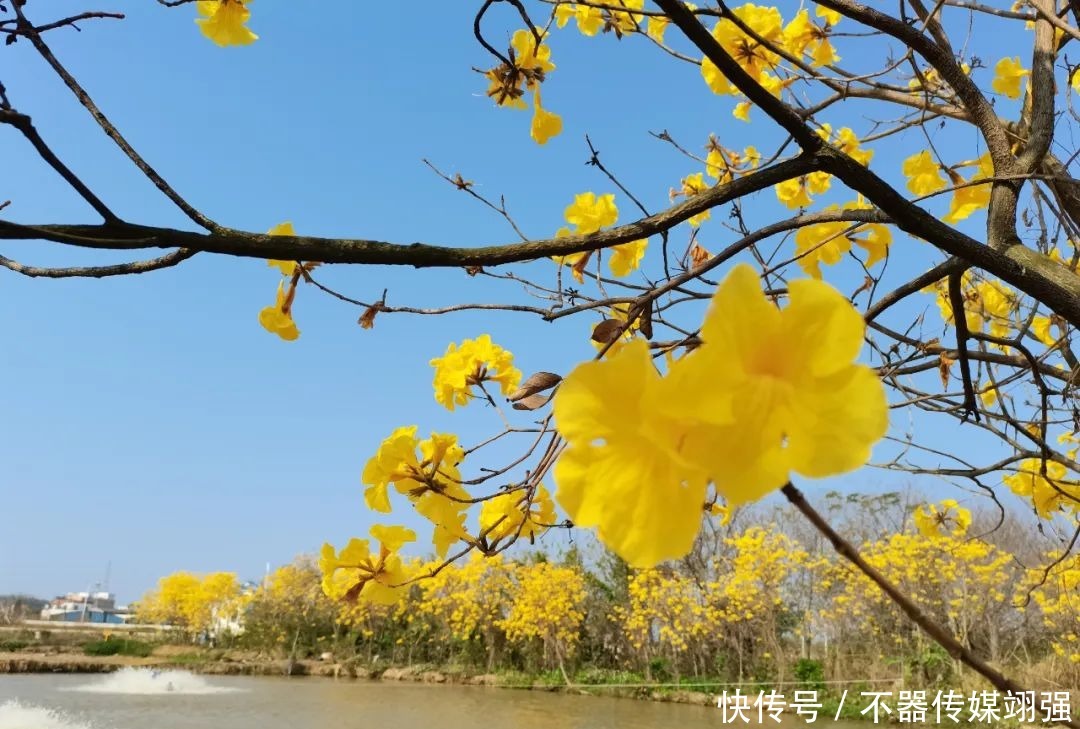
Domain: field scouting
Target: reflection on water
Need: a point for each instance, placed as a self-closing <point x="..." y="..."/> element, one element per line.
<point x="80" y="702"/>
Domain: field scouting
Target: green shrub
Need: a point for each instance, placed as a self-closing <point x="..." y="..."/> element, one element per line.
<point x="12" y="646"/>
<point x="810" y="674"/>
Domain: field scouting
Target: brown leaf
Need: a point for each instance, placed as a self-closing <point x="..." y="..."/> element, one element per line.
<point x="608" y="331"/>
<point x="473" y="270"/>
<point x="943" y="369"/>
<point x="532" y="402"/>
<point x="645" y="320"/>
<point x="867" y="284"/>
<point x="367" y="319"/>
<point x="537" y="382"/>
<point x="698" y="256"/>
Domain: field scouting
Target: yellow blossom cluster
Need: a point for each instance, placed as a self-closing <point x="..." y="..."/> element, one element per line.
<point x="356" y="573"/>
<point x="757" y="54"/>
<point x="962" y="584"/>
<point x="530" y="62"/>
<point x="1055" y="593"/>
<point x="591" y="20"/>
<point x="1047" y="485"/>
<point x="795" y="193"/>
<point x="548" y="606"/>
<point x="588" y="214"/>
<point x="471" y="364"/>
<point x="431" y="481"/>
<point x="946" y="518"/>
<point x="827" y="243"/>
<point x="191" y="601"/>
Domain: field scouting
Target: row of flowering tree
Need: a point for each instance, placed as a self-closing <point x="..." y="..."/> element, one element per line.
<point x="727" y="367"/>
<point x="750" y="604"/>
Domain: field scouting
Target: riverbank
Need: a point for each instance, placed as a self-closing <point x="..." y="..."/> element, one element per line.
<point x="240" y="663"/>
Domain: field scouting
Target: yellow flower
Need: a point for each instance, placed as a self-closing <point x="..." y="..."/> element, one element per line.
<point x="949" y="517"/>
<point x="529" y="54"/>
<point x="801" y="37"/>
<point x="755" y="58"/>
<point x="1040" y="327"/>
<point x="966" y="200"/>
<point x="589" y="19"/>
<point x="923" y="173"/>
<point x="473" y="362"/>
<point x="780" y="387"/>
<point x="621" y="472"/>
<point x="1048" y="493"/>
<point x="832" y="17"/>
<point x="821" y="243"/>
<point x="988" y="395"/>
<point x="694" y="185"/>
<point x="742" y="111"/>
<point x="545" y="124"/>
<point x="627" y="257"/>
<point x="768" y="392"/>
<point x="589" y="213"/>
<point x="793" y="193"/>
<point x="277" y="319"/>
<point x="355" y="573"/>
<point x="656" y="26"/>
<point x="847" y="142"/>
<point x="223" y="22"/>
<point x="287" y="268"/>
<point x="1008" y="73"/>
<point x="432" y="482"/>
<point x="505" y="514"/>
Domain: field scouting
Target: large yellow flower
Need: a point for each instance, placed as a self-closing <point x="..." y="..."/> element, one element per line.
<point x="780" y="386"/>
<point x="223" y="22"/>
<point x="768" y="392"/>
<point x="621" y="471"/>
<point x="355" y="573"/>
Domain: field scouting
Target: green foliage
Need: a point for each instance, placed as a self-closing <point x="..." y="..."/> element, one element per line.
<point x="810" y="673"/>
<point x="12" y="646"/>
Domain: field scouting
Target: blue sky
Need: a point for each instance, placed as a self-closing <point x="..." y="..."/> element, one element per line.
<point x="149" y="421"/>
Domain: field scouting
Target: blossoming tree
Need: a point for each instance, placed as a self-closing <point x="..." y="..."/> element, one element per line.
<point x="687" y="412"/>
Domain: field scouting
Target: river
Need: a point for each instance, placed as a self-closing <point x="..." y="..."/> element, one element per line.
<point x="141" y="699"/>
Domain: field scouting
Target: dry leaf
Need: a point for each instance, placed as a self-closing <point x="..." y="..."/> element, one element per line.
<point x="532" y="402"/>
<point x="535" y="383"/>
<point x="943" y="369"/>
<point x="645" y="320"/>
<point x="608" y="331"/>
<point x="698" y="256"/>
<point x="367" y="319"/>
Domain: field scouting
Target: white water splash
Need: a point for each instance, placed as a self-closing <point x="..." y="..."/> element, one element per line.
<point x="150" y="681"/>
<point x="14" y="715"/>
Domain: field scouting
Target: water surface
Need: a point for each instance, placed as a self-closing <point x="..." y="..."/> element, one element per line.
<point x="141" y="699"/>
